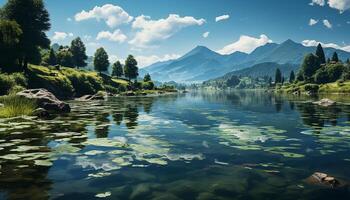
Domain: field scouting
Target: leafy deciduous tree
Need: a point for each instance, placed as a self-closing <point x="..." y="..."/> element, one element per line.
<point x="101" y="62"/>
<point x="117" y="69"/>
<point x="130" y="68"/>
<point x="78" y="50"/>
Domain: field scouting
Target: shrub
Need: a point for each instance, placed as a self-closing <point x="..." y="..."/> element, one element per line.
<point x="313" y="88"/>
<point x="16" y="106"/>
<point x="10" y="81"/>
<point x="148" y="85"/>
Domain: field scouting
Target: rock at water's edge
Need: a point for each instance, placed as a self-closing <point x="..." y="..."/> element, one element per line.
<point x="325" y="102"/>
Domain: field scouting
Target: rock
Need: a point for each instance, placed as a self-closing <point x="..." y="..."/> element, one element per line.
<point x="41" y="112"/>
<point x="325" y="102"/>
<point x="95" y="97"/>
<point x="46" y="100"/>
<point x="323" y="179"/>
<point x="2" y="105"/>
<point x="130" y="93"/>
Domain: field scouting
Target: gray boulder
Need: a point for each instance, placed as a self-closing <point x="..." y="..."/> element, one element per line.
<point x="325" y="102"/>
<point x="95" y="97"/>
<point x="46" y="100"/>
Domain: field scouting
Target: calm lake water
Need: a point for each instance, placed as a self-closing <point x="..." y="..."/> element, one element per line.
<point x="224" y="145"/>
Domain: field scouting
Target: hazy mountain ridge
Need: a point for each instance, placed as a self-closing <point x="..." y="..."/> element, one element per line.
<point x="201" y="63"/>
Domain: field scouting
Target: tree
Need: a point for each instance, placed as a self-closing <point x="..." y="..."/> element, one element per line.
<point x="270" y="81"/>
<point x="117" y="69"/>
<point x="34" y="21"/>
<point x="52" y="58"/>
<point x="335" y="57"/>
<point x="10" y="33"/>
<point x="101" y="62"/>
<point x="130" y="68"/>
<point x="79" y="52"/>
<point x="320" y="54"/>
<point x="65" y="58"/>
<point x="147" y="78"/>
<point x="348" y="61"/>
<point x="310" y="66"/>
<point x="291" y="77"/>
<point x="328" y="60"/>
<point x="278" y="76"/>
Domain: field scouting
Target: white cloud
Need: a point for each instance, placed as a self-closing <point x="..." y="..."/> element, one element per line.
<point x="61" y="35"/>
<point x="152" y="31"/>
<point x="116" y="36"/>
<point x="111" y="14"/>
<point x="245" y="44"/>
<point x="222" y="17"/>
<point x="145" y="61"/>
<point x="313" y="22"/>
<point x="87" y="37"/>
<point x="115" y="58"/>
<point x="326" y="23"/>
<point x="206" y="34"/>
<point x="340" y="5"/>
<point x="311" y="43"/>
<point x="318" y="2"/>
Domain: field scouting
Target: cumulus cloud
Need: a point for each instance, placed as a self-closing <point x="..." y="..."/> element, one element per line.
<point x="61" y="35"/>
<point x="116" y="36"/>
<point x="341" y="5"/>
<point x="318" y="2"/>
<point x="313" y="22"/>
<point x="145" y="61"/>
<point x="312" y="43"/>
<point x="245" y="44"/>
<point x="327" y="24"/>
<point x="113" y="15"/>
<point x="206" y="34"/>
<point x="222" y="17"/>
<point x="152" y="31"/>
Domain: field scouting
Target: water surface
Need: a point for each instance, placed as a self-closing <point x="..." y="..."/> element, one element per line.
<point x="224" y="145"/>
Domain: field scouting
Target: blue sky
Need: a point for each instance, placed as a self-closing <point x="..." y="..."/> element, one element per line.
<point x="156" y="30"/>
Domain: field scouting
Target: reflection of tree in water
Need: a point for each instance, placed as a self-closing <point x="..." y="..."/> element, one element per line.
<point x="102" y="125"/>
<point x="131" y="114"/>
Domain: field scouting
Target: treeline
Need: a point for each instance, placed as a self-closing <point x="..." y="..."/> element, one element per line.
<point x="23" y="40"/>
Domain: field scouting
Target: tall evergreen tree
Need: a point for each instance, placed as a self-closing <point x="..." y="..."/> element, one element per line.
<point x="328" y="60"/>
<point x="278" y="76"/>
<point x="147" y="78"/>
<point x="335" y="57"/>
<point x="130" y="68"/>
<point x="101" y="62"/>
<point x="34" y="21"/>
<point x="117" y="69"/>
<point x="291" y="77"/>
<point x="348" y="61"/>
<point x="320" y="54"/>
<point x="79" y="52"/>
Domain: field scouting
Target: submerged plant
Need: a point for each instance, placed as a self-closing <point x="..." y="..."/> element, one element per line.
<point x="16" y="106"/>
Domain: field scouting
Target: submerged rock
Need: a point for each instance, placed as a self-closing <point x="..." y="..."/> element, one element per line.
<point x="95" y="97"/>
<point x="325" y="102"/>
<point x="41" y="112"/>
<point x="323" y="179"/>
<point x="46" y="100"/>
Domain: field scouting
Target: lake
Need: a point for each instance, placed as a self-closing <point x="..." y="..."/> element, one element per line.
<point x="199" y="145"/>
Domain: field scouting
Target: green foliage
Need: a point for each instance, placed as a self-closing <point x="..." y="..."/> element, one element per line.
<point x="8" y="82"/>
<point x="34" y="21"/>
<point x="309" y="67"/>
<point x="10" y="33"/>
<point x="148" y="85"/>
<point x="335" y="57"/>
<point x="320" y="54"/>
<point x="291" y="77"/>
<point x="233" y="81"/>
<point x="65" y="58"/>
<point x="147" y="78"/>
<point x="117" y="69"/>
<point x="278" y="76"/>
<point x="130" y="68"/>
<point x="52" y="58"/>
<point x="78" y="51"/>
<point x="16" y="106"/>
<point x="329" y="73"/>
<point x="313" y="88"/>
<point x="101" y="62"/>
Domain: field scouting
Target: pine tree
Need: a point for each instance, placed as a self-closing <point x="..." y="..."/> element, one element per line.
<point x="130" y="68"/>
<point x="278" y="76"/>
<point x="117" y="69"/>
<point x="320" y="54"/>
<point x="147" y="78"/>
<point x="79" y="52"/>
<point x="335" y="57"/>
<point x="52" y="58"/>
<point x="291" y="77"/>
<point x="101" y="62"/>
<point x="328" y="60"/>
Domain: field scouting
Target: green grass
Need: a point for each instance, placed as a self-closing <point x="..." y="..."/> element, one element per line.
<point x="15" y="106"/>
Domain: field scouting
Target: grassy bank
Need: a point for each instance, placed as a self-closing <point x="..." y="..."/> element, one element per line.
<point x="14" y="106"/>
<point x="328" y="88"/>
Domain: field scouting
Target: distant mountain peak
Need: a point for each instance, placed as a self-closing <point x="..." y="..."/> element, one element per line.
<point x="290" y="42"/>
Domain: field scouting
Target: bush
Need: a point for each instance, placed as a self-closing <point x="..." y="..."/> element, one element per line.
<point x="16" y="106"/>
<point x="329" y="73"/>
<point x="10" y="81"/>
<point x="313" y="88"/>
<point x="148" y="85"/>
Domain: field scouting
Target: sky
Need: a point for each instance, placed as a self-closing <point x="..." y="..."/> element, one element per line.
<point x="159" y="30"/>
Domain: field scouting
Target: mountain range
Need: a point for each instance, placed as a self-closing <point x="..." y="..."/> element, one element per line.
<point x="201" y="63"/>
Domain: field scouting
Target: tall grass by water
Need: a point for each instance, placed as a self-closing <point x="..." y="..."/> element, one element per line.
<point x="16" y="106"/>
